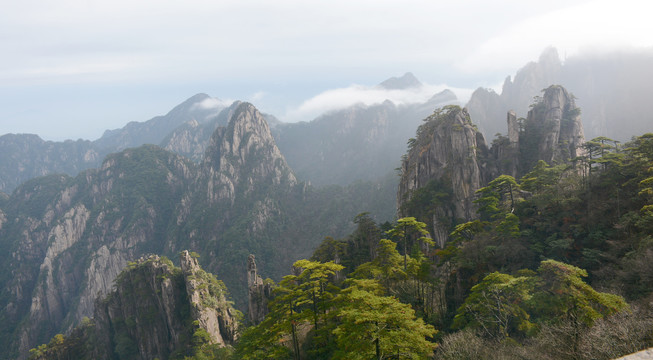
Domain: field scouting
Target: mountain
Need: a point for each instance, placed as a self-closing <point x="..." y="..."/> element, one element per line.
<point x="357" y="143"/>
<point x="155" y="310"/>
<point x="449" y="160"/>
<point x="199" y="108"/>
<point x="26" y="156"/>
<point x="70" y="237"/>
<point x="612" y="89"/>
<point x="324" y="151"/>
<point x="407" y="81"/>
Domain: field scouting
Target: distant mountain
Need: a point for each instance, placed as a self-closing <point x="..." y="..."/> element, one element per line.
<point x="26" y="156"/>
<point x="200" y="108"/>
<point x="407" y="81"/>
<point x="339" y="147"/>
<point x="357" y="143"/>
<point x="613" y="89"/>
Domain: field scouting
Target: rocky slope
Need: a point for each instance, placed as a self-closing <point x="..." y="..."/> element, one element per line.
<point x="70" y="237"/>
<point x="449" y="161"/>
<point x="155" y="310"/>
<point x="611" y="88"/>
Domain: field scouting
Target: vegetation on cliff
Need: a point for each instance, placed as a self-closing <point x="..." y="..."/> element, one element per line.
<point x="556" y="264"/>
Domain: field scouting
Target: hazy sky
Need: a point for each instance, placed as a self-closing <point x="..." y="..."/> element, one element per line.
<point x="73" y="68"/>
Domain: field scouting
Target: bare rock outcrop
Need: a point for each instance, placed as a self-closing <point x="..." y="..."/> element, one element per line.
<point x="259" y="293"/>
<point x="243" y="156"/>
<point x="448" y="149"/>
<point x="553" y="131"/>
<point x="208" y="304"/>
<point x="154" y="311"/>
<point x="449" y="161"/>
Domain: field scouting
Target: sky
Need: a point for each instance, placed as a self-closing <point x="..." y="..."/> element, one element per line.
<point x="73" y="68"/>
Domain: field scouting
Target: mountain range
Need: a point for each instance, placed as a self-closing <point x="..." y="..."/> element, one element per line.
<point x="229" y="181"/>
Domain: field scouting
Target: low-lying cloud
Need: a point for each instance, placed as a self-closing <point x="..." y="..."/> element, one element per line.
<point x="213" y="104"/>
<point x="337" y="99"/>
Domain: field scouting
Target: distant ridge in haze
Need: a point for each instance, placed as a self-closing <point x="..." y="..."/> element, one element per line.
<point x="407" y="81"/>
<point x="612" y="88"/>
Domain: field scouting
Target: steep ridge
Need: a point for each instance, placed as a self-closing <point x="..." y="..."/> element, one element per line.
<point x="244" y="153"/>
<point x="155" y="310"/>
<point x="27" y="156"/>
<point x="199" y="108"/>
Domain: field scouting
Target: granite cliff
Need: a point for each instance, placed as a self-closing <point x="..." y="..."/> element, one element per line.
<point x="154" y="310"/>
<point x="449" y="150"/>
<point x="449" y="161"/>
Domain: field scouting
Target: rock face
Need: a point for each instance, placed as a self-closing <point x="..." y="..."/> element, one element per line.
<point x="259" y="293"/>
<point x="154" y="310"/>
<point x="448" y="149"/>
<point x="553" y="131"/>
<point x="208" y="303"/>
<point x="449" y="161"/>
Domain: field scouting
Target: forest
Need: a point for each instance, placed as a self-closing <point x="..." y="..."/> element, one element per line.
<point x="557" y="265"/>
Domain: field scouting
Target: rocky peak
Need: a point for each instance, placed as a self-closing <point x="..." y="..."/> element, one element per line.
<point x="147" y="314"/>
<point x="553" y="128"/>
<point x="244" y="154"/>
<point x="447" y="151"/>
<point x="259" y="293"/>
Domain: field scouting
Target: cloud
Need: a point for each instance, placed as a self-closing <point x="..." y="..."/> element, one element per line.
<point x="257" y="96"/>
<point x="341" y="98"/>
<point x="591" y="25"/>
<point x="213" y="103"/>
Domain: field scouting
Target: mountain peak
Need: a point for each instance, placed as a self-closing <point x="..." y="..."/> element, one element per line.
<point x="244" y="152"/>
<point x="407" y="81"/>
